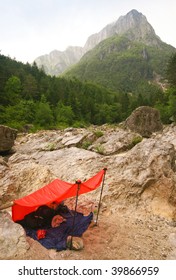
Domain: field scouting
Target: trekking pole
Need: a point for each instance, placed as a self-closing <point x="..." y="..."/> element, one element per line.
<point x="99" y="204"/>
<point x="78" y="182"/>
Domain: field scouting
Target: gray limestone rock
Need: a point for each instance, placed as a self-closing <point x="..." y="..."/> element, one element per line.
<point x="13" y="241"/>
<point x="7" y="138"/>
<point x="144" y="120"/>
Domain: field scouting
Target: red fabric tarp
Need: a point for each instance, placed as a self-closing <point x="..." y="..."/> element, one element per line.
<point x="57" y="190"/>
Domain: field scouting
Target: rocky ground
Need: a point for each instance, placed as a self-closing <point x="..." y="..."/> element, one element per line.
<point x="118" y="236"/>
<point x="138" y="214"/>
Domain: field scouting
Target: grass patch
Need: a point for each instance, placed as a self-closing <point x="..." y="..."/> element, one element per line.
<point x="99" y="149"/>
<point x="98" y="133"/>
<point x="86" y="144"/>
<point x="135" y="141"/>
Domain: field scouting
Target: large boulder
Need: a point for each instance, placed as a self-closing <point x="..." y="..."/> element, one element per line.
<point x="23" y="179"/>
<point x="13" y="241"/>
<point x="7" y="138"/>
<point x="145" y="176"/>
<point x="144" y="120"/>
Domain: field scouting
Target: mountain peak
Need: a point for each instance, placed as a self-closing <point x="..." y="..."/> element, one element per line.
<point x="134" y="16"/>
<point x="134" y="12"/>
<point x="131" y="19"/>
<point x="134" y="24"/>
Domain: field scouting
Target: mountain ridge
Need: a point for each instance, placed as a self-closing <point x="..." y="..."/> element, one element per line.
<point x="131" y="20"/>
<point x="121" y="64"/>
<point x="59" y="60"/>
<point x="134" y="23"/>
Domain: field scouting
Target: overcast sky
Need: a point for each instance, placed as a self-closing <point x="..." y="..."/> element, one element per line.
<point x="30" y="28"/>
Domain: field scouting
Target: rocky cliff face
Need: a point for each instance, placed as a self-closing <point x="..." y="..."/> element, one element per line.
<point x="56" y="62"/>
<point x="134" y="24"/>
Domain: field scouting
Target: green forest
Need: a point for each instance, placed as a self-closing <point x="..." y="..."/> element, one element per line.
<point x="30" y="97"/>
<point x="119" y="63"/>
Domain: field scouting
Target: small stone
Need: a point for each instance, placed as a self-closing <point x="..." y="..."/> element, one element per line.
<point x="77" y="243"/>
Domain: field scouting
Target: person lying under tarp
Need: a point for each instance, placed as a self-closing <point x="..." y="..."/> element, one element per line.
<point x="43" y="216"/>
<point x="52" y="225"/>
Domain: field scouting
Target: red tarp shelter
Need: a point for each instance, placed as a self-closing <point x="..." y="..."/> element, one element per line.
<point x="58" y="191"/>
